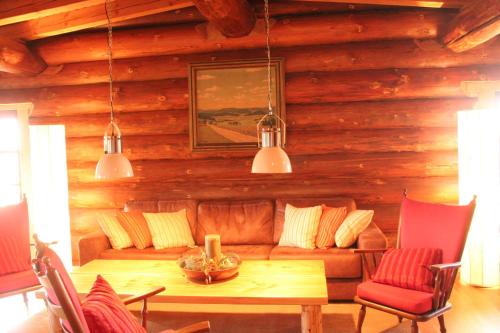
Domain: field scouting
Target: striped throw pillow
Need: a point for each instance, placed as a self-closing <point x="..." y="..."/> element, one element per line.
<point x="353" y="225"/>
<point x="330" y="221"/>
<point x="169" y="229"/>
<point x="301" y="226"/>
<point x="117" y="236"/>
<point x="137" y="228"/>
<point x="105" y="312"/>
<point x="408" y="268"/>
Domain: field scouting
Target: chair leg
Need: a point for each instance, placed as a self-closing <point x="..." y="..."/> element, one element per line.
<point x="442" y="328"/>
<point x="26" y="302"/>
<point x="361" y="318"/>
<point x="414" y="326"/>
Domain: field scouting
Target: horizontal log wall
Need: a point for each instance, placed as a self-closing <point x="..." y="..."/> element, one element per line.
<point x="365" y="119"/>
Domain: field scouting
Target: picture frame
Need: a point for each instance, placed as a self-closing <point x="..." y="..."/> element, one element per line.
<point x="228" y="98"/>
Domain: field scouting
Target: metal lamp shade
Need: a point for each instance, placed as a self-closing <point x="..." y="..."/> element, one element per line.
<point x="271" y="160"/>
<point x="113" y="164"/>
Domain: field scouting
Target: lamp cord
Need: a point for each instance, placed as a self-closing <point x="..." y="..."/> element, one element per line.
<point x="110" y="58"/>
<point x="268" y="51"/>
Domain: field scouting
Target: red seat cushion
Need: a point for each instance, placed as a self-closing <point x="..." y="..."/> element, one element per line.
<point x="106" y="313"/>
<point x="14" y="239"/>
<point x="18" y="280"/>
<point x="408" y="268"/>
<point x="408" y="300"/>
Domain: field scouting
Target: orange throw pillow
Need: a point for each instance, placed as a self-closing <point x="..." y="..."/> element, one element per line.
<point x="331" y="219"/>
<point x="137" y="228"/>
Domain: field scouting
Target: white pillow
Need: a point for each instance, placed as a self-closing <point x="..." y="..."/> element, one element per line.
<point x="112" y="228"/>
<point x="301" y="226"/>
<point x="169" y="229"/>
<point x="354" y="224"/>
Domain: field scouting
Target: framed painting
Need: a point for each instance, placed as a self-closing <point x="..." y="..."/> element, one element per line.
<point x="227" y="100"/>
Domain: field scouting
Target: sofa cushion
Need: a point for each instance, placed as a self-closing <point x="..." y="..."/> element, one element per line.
<point x="246" y="252"/>
<point x="352" y="226"/>
<point x="111" y="227"/>
<point x="169" y="229"/>
<point x="301" y="226"/>
<point x="408" y="300"/>
<point x="238" y="222"/>
<point x="148" y="253"/>
<point x="169" y="206"/>
<point x="279" y="212"/>
<point x="339" y="263"/>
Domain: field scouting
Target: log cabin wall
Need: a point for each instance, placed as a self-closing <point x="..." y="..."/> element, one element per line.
<point x="371" y="103"/>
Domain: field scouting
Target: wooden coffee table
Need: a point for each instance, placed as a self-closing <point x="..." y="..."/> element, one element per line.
<point x="278" y="282"/>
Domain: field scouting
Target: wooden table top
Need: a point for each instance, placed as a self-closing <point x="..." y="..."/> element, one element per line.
<point x="299" y="282"/>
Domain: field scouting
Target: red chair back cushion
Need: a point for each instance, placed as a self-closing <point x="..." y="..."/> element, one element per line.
<point x="408" y="268"/>
<point x="427" y="225"/>
<point x="56" y="262"/>
<point x="106" y="313"/>
<point x="14" y="239"/>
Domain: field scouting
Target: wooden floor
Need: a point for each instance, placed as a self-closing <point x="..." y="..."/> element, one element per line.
<point x="475" y="310"/>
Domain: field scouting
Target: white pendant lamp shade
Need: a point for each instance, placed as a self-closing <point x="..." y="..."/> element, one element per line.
<point x="113" y="164"/>
<point x="271" y="160"/>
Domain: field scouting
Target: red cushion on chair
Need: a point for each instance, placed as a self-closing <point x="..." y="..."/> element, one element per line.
<point x="408" y="268"/>
<point x="18" y="280"/>
<point x="435" y="226"/>
<point x="408" y="300"/>
<point x="106" y="313"/>
<point x="14" y="239"/>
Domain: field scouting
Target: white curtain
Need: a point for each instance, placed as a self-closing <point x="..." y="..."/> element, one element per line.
<point x="479" y="173"/>
<point x="48" y="200"/>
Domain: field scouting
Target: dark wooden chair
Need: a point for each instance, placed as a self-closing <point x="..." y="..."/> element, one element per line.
<point x="421" y="225"/>
<point x="63" y="303"/>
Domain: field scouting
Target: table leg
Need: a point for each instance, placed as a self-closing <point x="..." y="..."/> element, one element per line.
<point x="311" y="319"/>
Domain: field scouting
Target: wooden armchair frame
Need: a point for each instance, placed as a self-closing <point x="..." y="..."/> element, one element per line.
<point x="444" y="279"/>
<point x="50" y="279"/>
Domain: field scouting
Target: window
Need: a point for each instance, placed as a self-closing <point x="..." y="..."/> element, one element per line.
<point x="14" y="153"/>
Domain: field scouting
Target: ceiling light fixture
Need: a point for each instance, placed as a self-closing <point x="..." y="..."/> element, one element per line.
<point x="271" y="158"/>
<point x="112" y="164"/>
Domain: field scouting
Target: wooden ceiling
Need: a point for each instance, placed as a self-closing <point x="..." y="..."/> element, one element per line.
<point x="23" y="21"/>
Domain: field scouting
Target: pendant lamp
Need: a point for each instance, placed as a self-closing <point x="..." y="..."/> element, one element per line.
<point x="112" y="164"/>
<point x="271" y="157"/>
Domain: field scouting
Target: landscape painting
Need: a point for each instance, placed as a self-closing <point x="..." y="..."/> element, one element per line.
<point x="228" y="99"/>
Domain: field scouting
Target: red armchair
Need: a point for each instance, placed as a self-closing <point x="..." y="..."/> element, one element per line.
<point x="63" y="304"/>
<point x="421" y="225"/>
<point x="16" y="275"/>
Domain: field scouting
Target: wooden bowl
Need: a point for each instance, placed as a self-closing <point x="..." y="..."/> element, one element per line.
<point x="218" y="275"/>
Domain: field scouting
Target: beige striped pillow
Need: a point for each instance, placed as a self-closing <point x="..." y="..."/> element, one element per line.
<point x="169" y="229"/>
<point x="117" y="236"/>
<point x="329" y="223"/>
<point x="137" y="228"/>
<point x="353" y="225"/>
<point x="301" y="226"/>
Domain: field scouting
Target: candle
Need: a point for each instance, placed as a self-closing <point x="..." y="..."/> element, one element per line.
<point x="212" y="247"/>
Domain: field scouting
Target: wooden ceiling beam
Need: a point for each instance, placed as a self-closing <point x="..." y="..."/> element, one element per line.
<point x="405" y="3"/>
<point x="13" y="11"/>
<point x="89" y="17"/>
<point x="474" y="25"/>
<point x="17" y="58"/>
<point x="233" y="18"/>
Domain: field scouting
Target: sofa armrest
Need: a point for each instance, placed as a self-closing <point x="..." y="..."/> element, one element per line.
<point x="372" y="238"/>
<point x="91" y="245"/>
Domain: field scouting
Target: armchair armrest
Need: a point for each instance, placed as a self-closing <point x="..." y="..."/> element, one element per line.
<point x="144" y="298"/>
<point x="137" y="298"/>
<point x="444" y="279"/>
<point x="91" y="245"/>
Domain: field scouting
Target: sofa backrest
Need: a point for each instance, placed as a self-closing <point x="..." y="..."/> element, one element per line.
<point x="155" y="206"/>
<point x="279" y="211"/>
<point x="238" y="222"/>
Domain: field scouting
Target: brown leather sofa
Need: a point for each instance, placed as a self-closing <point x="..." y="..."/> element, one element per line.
<point x="252" y="229"/>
